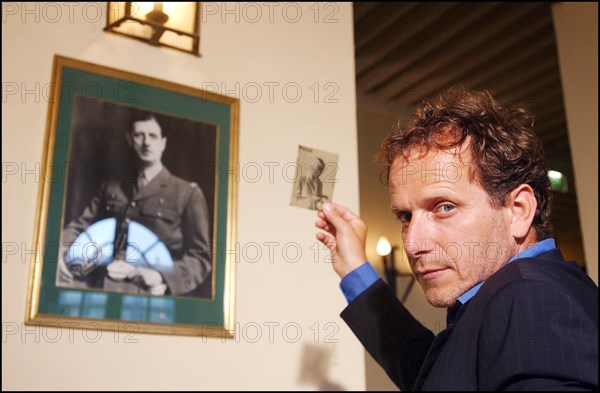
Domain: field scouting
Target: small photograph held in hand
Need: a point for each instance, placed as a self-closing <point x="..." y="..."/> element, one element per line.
<point x="316" y="172"/>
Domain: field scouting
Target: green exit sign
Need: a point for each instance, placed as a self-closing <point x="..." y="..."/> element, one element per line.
<point x="558" y="181"/>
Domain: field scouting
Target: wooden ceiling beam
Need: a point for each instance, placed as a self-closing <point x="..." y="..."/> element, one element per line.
<point x="373" y="27"/>
<point x="512" y="79"/>
<point x="445" y="56"/>
<point x="549" y="108"/>
<point x="421" y="29"/>
<point x="531" y="91"/>
<point x="485" y="61"/>
<point x="418" y="19"/>
<point x="362" y="9"/>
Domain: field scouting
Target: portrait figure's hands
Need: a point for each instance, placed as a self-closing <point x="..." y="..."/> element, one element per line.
<point x="142" y="276"/>
<point x="120" y="270"/>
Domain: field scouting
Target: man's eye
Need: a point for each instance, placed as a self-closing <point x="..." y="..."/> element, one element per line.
<point x="404" y="217"/>
<point x="446" y="208"/>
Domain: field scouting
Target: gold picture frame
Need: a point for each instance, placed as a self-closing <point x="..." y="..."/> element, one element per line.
<point x="92" y="219"/>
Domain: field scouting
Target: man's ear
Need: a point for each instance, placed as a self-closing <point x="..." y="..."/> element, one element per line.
<point x="522" y="206"/>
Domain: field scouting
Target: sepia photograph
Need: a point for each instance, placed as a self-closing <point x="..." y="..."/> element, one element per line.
<point x="315" y="178"/>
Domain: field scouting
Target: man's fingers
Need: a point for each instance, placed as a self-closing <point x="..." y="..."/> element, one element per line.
<point x="334" y="218"/>
<point x="321" y="223"/>
<point x="344" y="212"/>
<point x="324" y="225"/>
<point x="321" y="237"/>
<point x="329" y="241"/>
<point x="346" y="218"/>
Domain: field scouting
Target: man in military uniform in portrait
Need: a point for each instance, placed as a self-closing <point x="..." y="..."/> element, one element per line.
<point x="309" y="189"/>
<point x="171" y="208"/>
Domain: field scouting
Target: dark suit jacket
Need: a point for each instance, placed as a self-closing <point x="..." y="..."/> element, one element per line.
<point x="533" y="325"/>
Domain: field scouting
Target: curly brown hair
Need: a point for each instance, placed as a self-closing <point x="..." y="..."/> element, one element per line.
<point x="505" y="150"/>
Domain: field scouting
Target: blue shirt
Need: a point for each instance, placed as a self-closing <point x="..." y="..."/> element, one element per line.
<point x="361" y="278"/>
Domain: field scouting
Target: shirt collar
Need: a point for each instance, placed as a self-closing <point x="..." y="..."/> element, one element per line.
<point x="535" y="250"/>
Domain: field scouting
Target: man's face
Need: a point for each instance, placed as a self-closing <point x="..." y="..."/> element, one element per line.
<point x="453" y="237"/>
<point x="147" y="141"/>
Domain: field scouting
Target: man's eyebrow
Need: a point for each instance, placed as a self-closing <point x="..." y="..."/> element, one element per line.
<point x="432" y="199"/>
<point x="396" y="210"/>
<point x="435" y="198"/>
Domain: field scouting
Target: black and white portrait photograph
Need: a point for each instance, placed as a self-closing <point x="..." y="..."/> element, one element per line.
<point x="139" y="202"/>
<point x="315" y="177"/>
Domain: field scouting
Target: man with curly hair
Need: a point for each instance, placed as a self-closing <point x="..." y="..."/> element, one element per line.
<point x="468" y="184"/>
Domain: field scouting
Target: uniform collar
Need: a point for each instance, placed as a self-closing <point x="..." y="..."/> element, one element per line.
<point x="152" y="172"/>
<point x="160" y="181"/>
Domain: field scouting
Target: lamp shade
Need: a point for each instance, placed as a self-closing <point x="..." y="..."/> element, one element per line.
<point x="170" y="24"/>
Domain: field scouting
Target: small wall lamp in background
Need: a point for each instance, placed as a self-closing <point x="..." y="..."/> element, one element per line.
<point x="170" y="24"/>
<point x="387" y="252"/>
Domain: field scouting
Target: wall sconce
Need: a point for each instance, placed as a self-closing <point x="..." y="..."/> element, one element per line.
<point x="387" y="252"/>
<point x="174" y="25"/>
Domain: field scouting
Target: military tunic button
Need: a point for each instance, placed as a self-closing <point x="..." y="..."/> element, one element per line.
<point x="159" y="214"/>
<point x="127" y="220"/>
<point x="133" y="203"/>
<point x="161" y="201"/>
<point x="108" y="208"/>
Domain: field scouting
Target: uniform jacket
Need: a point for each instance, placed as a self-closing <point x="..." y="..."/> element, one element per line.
<point x="533" y="325"/>
<point x="309" y="192"/>
<point x="175" y="210"/>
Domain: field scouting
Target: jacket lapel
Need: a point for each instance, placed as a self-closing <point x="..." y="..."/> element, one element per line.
<point x="432" y="355"/>
<point x="438" y="344"/>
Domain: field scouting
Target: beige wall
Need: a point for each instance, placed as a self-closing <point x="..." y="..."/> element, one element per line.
<point x="275" y="48"/>
<point x="576" y="26"/>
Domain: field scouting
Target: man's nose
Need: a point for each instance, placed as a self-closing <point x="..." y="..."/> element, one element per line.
<point x="418" y="237"/>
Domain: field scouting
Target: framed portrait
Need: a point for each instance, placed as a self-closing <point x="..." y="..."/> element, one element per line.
<point x="136" y="206"/>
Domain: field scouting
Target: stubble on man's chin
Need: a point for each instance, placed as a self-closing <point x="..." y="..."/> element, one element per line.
<point x="441" y="301"/>
<point x="441" y="298"/>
